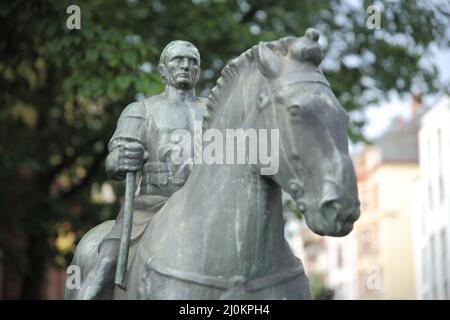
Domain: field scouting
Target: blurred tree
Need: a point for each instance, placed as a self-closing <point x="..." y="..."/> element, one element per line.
<point x="319" y="290"/>
<point x="63" y="90"/>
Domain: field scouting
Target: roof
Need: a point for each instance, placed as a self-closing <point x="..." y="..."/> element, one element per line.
<point x="400" y="142"/>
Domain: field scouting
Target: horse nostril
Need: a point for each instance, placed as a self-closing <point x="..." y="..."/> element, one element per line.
<point x="330" y="205"/>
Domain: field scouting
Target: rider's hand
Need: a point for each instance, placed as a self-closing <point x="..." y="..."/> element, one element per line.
<point x="131" y="157"/>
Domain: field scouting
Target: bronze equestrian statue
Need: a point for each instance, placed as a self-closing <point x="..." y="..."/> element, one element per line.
<point x="221" y="235"/>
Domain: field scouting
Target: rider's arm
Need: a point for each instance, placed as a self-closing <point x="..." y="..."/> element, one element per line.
<point x="130" y="128"/>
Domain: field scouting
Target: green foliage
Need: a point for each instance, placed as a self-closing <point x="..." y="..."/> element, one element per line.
<point x="319" y="291"/>
<point x="290" y="210"/>
<point x="63" y="90"/>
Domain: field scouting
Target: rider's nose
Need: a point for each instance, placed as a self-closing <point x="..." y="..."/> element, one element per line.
<point x="185" y="64"/>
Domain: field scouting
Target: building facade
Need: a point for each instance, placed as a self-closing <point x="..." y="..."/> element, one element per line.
<point x="431" y="205"/>
<point x="341" y="264"/>
<point x="387" y="172"/>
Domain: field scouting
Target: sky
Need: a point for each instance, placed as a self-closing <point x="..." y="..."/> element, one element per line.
<point x="379" y="117"/>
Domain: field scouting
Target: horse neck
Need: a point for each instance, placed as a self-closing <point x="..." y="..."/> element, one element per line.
<point x="236" y="106"/>
<point x="233" y="110"/>
<point x="245" y="203"/>
<point x="248" y="204"/>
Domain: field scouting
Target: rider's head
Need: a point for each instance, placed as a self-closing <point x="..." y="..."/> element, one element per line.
<point x="179" y="64"/>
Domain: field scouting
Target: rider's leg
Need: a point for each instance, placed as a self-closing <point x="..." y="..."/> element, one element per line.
<point x="99" y="281"/>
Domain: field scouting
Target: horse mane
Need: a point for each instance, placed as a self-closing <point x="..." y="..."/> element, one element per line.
<point x="231" y="73"/>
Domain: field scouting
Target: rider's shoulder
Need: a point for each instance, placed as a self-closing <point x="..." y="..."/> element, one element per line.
<point x="154" y="103"/>
<point x="134" y="109"/>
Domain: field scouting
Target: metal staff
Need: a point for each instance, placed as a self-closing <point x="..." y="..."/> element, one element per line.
<point x="124" y="248"/>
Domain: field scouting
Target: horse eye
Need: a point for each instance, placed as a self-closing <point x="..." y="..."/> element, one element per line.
<point x="294" y="111"/>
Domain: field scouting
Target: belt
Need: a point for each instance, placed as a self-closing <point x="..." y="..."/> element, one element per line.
<point x="152" y="167"/>
<point x="160" y="174"/>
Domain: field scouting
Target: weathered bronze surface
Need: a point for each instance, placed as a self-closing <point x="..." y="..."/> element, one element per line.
<point x="141" y="143"/>
<point x="221" y="236"/>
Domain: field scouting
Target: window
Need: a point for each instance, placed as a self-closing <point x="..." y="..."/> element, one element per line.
<point x="423" y="215"/>
<point x="425" y="261"/>
<point x="374" y="196"/>
<point x="430" y="195"/>
<point x="364" y="197"/>
<point x="433" y="267"/>
<point x="429" y="175"/>
<point x="365" y="243"/>
<point x="369" y="198"/>
<point x="444" y="263"/>
<point x="440" y="168"/>
<point x="368" y="242"/>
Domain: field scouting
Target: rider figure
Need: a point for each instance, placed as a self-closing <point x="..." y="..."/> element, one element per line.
<point x="142" y="142"/>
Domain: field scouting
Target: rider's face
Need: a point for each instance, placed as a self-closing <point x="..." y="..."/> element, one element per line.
<point x="182" y="68"/>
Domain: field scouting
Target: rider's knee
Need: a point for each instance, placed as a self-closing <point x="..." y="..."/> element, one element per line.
<point x="109" y="248"/>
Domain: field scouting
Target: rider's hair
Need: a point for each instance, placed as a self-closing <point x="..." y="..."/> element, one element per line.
<point x="168" y="47"/>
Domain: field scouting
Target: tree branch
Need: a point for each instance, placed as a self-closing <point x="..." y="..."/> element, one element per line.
<point x="250" y="14"/>
<point x="89" y="175"/>
<point x="69" y="160"/>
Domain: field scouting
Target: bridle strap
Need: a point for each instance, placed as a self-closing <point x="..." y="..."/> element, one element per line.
<point x="291" y="83"/>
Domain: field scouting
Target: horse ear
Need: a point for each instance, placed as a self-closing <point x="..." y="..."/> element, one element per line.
<point x="269" y="63"/>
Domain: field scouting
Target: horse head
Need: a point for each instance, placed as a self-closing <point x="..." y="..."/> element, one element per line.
<point x="314" y="164"/>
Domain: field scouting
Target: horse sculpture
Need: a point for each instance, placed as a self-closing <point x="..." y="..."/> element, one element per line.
<point x="221" y="235"/>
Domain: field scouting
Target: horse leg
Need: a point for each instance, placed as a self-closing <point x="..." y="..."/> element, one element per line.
<point x="86" y="257"/>
<point x="99" y="282"/>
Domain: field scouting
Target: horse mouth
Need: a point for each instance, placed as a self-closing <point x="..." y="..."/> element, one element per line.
<point x="337" y="225"/>
<point x="345" y="225"/>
